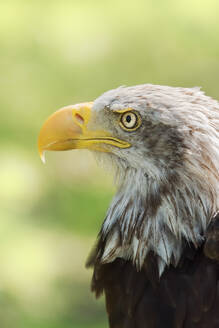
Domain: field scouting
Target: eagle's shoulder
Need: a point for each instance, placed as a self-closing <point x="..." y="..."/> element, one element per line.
<point x="211" y="247"/>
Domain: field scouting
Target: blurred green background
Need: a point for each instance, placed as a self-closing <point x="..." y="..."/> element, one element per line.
<point x="54" y="53"/>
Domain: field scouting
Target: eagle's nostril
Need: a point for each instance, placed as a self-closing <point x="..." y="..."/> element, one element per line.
<point x="79" y="119"/>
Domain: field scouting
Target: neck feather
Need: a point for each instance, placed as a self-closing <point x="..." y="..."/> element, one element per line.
<point x="158" y="215"/>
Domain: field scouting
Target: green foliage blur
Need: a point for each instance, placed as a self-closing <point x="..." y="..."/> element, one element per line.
<point x="55" y="53"/>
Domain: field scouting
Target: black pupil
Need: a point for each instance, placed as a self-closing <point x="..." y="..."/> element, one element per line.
<point x="128" y="118"/>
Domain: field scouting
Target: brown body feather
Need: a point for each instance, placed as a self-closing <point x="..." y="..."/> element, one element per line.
<point x="183" y="297"/>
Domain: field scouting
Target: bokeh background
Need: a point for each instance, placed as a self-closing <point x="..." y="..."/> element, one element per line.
<point x="54" y="53"/>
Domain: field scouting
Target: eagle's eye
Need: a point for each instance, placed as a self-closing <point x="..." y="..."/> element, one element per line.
<point x="130" y="121"/>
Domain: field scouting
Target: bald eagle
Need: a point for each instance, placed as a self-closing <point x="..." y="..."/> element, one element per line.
<point x="157" y="254"/>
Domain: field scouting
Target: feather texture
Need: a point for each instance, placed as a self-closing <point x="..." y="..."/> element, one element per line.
<point x="168" y="180"/>
<point x="183" y="297"/>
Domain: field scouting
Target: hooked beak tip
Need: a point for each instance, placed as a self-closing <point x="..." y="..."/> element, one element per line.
<point x="42" y="154"/>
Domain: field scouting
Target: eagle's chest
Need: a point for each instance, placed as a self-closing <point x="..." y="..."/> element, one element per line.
<point x="184" y="297"/>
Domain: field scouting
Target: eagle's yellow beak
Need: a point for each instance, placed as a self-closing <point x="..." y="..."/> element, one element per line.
<point x="68" y="129"/>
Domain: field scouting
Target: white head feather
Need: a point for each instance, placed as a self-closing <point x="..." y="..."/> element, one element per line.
<point x="168" y="180"/>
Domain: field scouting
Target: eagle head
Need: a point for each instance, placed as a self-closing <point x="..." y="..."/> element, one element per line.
<point x="162" y="143"/>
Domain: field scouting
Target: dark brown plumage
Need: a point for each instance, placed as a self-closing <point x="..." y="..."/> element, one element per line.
<point x="183" y="297"/>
